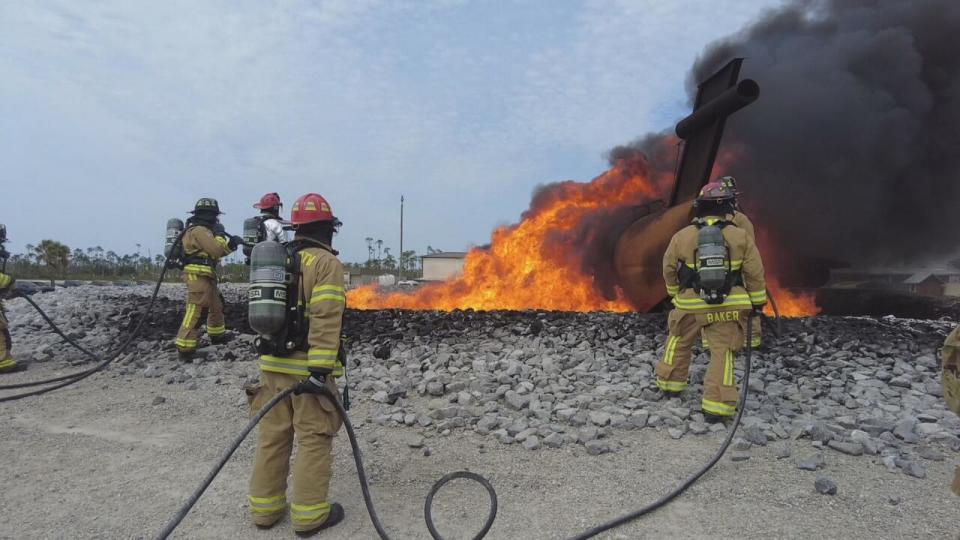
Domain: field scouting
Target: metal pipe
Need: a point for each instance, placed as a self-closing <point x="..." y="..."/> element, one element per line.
<point x="730" y="101"/>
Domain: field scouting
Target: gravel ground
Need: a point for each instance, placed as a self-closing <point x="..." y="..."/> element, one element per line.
<point x="108" y="458"/>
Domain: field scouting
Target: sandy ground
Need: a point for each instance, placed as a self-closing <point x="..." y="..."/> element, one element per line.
<point x="98" y="460"/>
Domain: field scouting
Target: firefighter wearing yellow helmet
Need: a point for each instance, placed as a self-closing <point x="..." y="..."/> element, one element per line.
<point x="204" y="244"/>
<point x="7" y="363"/>
<point x="951" y="383"/>
<point x="713" y="272"/>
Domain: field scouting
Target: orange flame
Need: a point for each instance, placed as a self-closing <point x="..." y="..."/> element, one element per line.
<point x="791" y="304"/>
<point x="531" y="265"/>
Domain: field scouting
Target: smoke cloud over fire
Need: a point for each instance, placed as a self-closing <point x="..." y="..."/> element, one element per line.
<point x="851" y="154"/>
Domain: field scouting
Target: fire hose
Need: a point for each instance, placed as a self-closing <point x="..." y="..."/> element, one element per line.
<point x="428" y="505"/>
<point x="67" y="380"/>
<point x="361" y="475"/>
<point x="666" y="499"/>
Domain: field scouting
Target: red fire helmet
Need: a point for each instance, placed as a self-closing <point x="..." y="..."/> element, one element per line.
<point x="715" y="191"/>
<point x="270" y="200"/>
<point x="310" y="208"/>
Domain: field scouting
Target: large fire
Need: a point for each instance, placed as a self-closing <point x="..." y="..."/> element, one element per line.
<point x="537" y="263"/>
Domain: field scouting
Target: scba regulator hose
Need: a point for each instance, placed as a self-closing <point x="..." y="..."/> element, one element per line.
<point x="361" y="475"/>
<point x="67" y="380"/>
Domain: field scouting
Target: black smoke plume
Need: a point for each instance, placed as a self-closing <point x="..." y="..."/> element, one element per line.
<point x="853" y="149"/>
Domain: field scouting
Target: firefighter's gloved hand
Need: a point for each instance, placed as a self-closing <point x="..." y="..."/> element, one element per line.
<point x="219" y="229"/>
<point x="235" y="241"/>
<point x="758" y="308"/>
<point x="315" y="384"/>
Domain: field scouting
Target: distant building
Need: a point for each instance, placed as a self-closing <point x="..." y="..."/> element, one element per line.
<point x="934" y="281"/>
<point x="443" y="265"/>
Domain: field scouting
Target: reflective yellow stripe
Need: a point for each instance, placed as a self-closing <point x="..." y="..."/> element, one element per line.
<point x="672" y="290"/>
<point x="4" y="280"/>
<point x="717" y="408"/>
<point x="188" y="316"/>
<point x="7" y="363"/>
<point x="728" y="369"/>
<point x="670" y="349"/>
<point x="736" y="265"/>
<point x="186" y="343"/>
<point x="698" y="304"/>
<point x="216" y="330"/>
<point x="321" y="297"/>
<point x="304" y="513"/>
<point x="199" y="269"/>
<point x="223" y="242"/>
<point x="758" y="297"/>
<point x="307" y="259"/>
<point x="270" y="505"/>
<point x="317" y="354"/>
<point x="323" y="288"/>
<point x="671" y="386"/>
<point x="755" y="341"/>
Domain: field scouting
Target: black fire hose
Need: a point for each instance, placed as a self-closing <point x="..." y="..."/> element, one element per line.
<point x="361" y="475"/>
<point x="67" y="380"/>
<point x="666" y="499"/>
<point x="776" y="313"/>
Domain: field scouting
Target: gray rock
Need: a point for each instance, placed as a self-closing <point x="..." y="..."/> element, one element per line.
<point x="158" y="400"/>
<point x="930" y="454"/>
<point x="587" y="434"/>
<point x="416" y="442"/>
<point x="600" y="418"/>
<point x="913" y="468"/>
<point x="675" y="433"/>
<point x="812" y="463"/>
<point x="380" y="397"/>
<point x="825" y="486"/>
<point x="849" y="448"/>
<point x="741" y="444"/>
<point x="739" y="456"/>
<point x="784" y="452"/>
<point x="554" y="440"/>
<point x="532" y="443"/>
<point x="597" y="447"/>
<point x="755" y="435"/>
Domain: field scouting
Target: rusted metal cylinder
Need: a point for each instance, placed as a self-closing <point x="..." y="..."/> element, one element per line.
<point x="639" y="254"/>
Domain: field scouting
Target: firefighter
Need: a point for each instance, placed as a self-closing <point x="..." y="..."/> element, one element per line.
<point x="310" y="417"/>
<point x="7" y="363"/>
<point x="739" y="219"/>
<point x="951" y="383"/>
<point x="204" y="244"/>
<point x="720" y="310"/>
<point x="270" y="207"/>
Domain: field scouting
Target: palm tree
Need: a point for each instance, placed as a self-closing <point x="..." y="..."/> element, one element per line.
<point x="379" y="245"/>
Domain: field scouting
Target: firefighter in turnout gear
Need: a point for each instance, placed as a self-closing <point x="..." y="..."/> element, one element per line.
<point x="270" y="207"/>
<point x="951" y="383"/>
<point x="714" y="274"/>
<point x="204" y="244"/>
<point x="7" y="364"/>
<point x="314" y="361"/>
<point x="739" y="219"/>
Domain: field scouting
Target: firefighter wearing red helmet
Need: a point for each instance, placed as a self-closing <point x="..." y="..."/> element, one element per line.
<point x="714" y="274"/>
<point x="309" y="416"/>
<point x="204" y="243"/>
<point x="270" y="207"/>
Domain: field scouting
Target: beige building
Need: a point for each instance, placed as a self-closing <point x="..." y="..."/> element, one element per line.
<point x="443" y="265"/>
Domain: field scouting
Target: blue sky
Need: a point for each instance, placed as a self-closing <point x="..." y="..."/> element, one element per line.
<point x="119" y="114"/>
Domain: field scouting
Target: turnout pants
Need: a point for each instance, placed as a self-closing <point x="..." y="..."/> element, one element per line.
<point x="950" y="379"/>
<point x="204" y="301"/>
<point x="755" y="341"/>
<point x="314" y="421"/>
<point x="725" y="332"/>
<point x="6" y="343"/>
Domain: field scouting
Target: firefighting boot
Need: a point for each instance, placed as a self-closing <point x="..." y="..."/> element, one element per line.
<point x="9" y="366"/>
<point x="716" y="419"/>
<point x="336" y="516"/>
<point x="185" y="357"/>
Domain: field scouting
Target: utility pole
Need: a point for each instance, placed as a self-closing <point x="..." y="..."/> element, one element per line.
<point x="400" y="263"/>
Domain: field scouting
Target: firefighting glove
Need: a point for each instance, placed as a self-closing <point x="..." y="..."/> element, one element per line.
<point x="758" y="308"/>
<point x="313" y="385"/>
<point x="235" y="241"/>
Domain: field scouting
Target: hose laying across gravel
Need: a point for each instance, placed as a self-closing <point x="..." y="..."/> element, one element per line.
<point x="67" y="380"/>
<point x="361" y="475"/>
<point x="666" y="499"/>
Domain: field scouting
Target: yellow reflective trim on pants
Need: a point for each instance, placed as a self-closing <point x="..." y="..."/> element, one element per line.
<point x="4" y="281"/>
<point x="186" y="343"/>
<point x="216" y="330"/>
<point x="269" y="505"/>
<point x="199" y="270"/>
<point x="717" y="408"/>
<point x="728" y="369"/>
<point x="308" y="513"/>
<point x="670" y="386"/>
<point x="7" y="364"/>
<point x="188" y="316"/>
<point x="670" y="349"/>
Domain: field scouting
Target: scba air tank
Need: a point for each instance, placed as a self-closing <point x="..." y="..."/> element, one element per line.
<point x="268" y="288"/>
<point x="251" y="234"/>
<point x="174" y="228"/>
